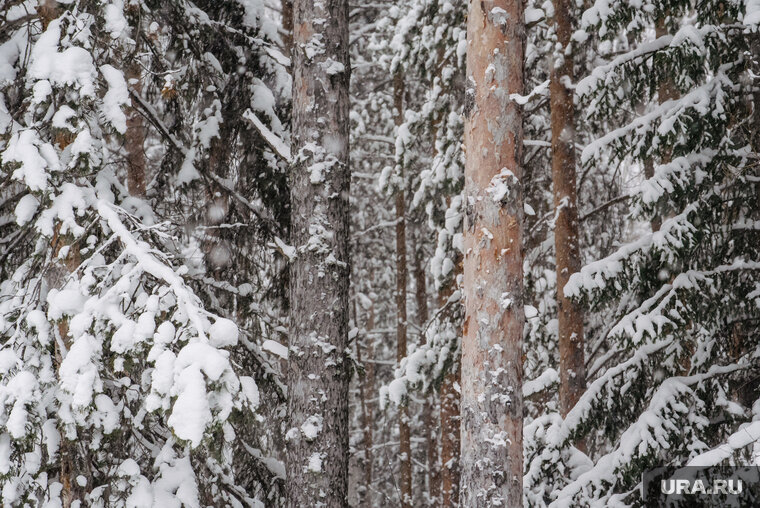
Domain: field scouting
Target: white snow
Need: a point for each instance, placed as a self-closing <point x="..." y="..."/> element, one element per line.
<point x="64" y="302"/>
<point x="250" y="390"/>
<point x="72" y="66"/>
<point x="124" y="339"/>
<point x="533" y="15"/>
<point x="330" y="66"/>
<point x="191" y="413"/>
<point x="23" y="148"/>
<point x="275" y="348"/>
<point x="25" y="209"/>
<point x="42" y="90"/>
<point x="116" y="97"/>
<point x="498" y="189"/>
<point x="116" y="23"/>
<point x="5" y="453"/>
<point x="547" y="378"/>
<point x="315" y="463"/>
<point x="312" y="427"/>
<point x="223" y="333"/>
<point x="274" y="141"/>
<point x="747" y="434"/>
<point x="78" y="372"/>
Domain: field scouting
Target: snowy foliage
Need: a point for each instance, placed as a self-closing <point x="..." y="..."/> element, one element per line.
<point x="120" y="385"/>
<point x="670" y="372"/>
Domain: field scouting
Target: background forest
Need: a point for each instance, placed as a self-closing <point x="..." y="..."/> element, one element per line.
<point x="187" y="188"/>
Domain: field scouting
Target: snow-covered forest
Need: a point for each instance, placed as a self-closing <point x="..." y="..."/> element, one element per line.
<point x="402" y="253"/>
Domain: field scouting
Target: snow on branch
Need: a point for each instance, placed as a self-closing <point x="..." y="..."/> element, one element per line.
<point x="275" y="142"/>
<point x="668" y="113"/>
<point x="651" y="430"/>
<point x="745" y="436"/>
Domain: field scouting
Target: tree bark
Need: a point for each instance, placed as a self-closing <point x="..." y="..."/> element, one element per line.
<point x="665" y="91"/>
<point x="134" y="138"/>
<point x="566" y="240"/>
<point x="319" y="372"/>
<point x="405" y="449"/>
<point x="367" y="386"/>
<point x="450" y="405"/>
<point x="492" y="405"/>
<point x="431" y="438"/>
<point x="450" y="438"/>
<point x="47" y="10"/>
<point x="287" y="26"/>
<point x="68" y="452"/>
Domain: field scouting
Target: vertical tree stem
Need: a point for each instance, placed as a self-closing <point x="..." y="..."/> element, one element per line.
<point x="405" y="449"/>
<point x="492" y="405"/>
<point x="566" y="240"/>
<point x="319" y="373"/>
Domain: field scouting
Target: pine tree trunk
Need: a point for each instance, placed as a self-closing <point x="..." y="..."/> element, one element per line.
<point x="405" y="449"/>
<point x="287" y="25"/>
<point x="319" y="373"/>
<point x="431" y="440"/>
<point x="450" y="438"/>
<point x="368" y="431"/>
<point x="755" y="68"/>
<point x="68" y="452"/>
<point x="134" y="138"/>
<point x="55" y="277"/>
<point x="492" y="406"/>
<point x="47" y="10"/>
<point x="366" y="386"/>
<point x="449" y="413"/>
<point x="665" y="91"/>
<point x="566" y="240"/>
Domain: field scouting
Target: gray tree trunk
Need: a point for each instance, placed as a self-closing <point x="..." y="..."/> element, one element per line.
<point x="492" y="405"/>
<point x="319" y="373"/>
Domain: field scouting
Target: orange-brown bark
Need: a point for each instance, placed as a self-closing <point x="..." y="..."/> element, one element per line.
<point x="67" y="452"/>
<point x="47" y="10"/>
<point x="287" y="25"/>
<point x="134" y="138"/>
<point x="429" y="420"/>
<point x="666" y="91"/>
<point x="405" y="449"/>
<point x="566" y="238"/>
<point x="450" y="439"/>
<point x="450" y="402"/>
<point x="492" y="406"/>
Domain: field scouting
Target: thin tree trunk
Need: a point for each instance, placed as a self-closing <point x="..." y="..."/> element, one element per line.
<point x="71" y="492"/>
<point x="319" y="373"/>
<point x="366" y="385"/>
<point x="450" y="438"/>
<point x="67" y="451"/>
<point x="47" y="10"/>
<point x="405" y="449"/>
<point x="665" y="91"/>
<point x="370" y="388"/>
<point x="492" y="405"/>
<point x="431" y="438"/>
<point x="450" y="398"/>
<point x="755" y="67"/>
<point x="134" y="139"/>
<point x="287" y="26"/>
<point x="566" y="240"/>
